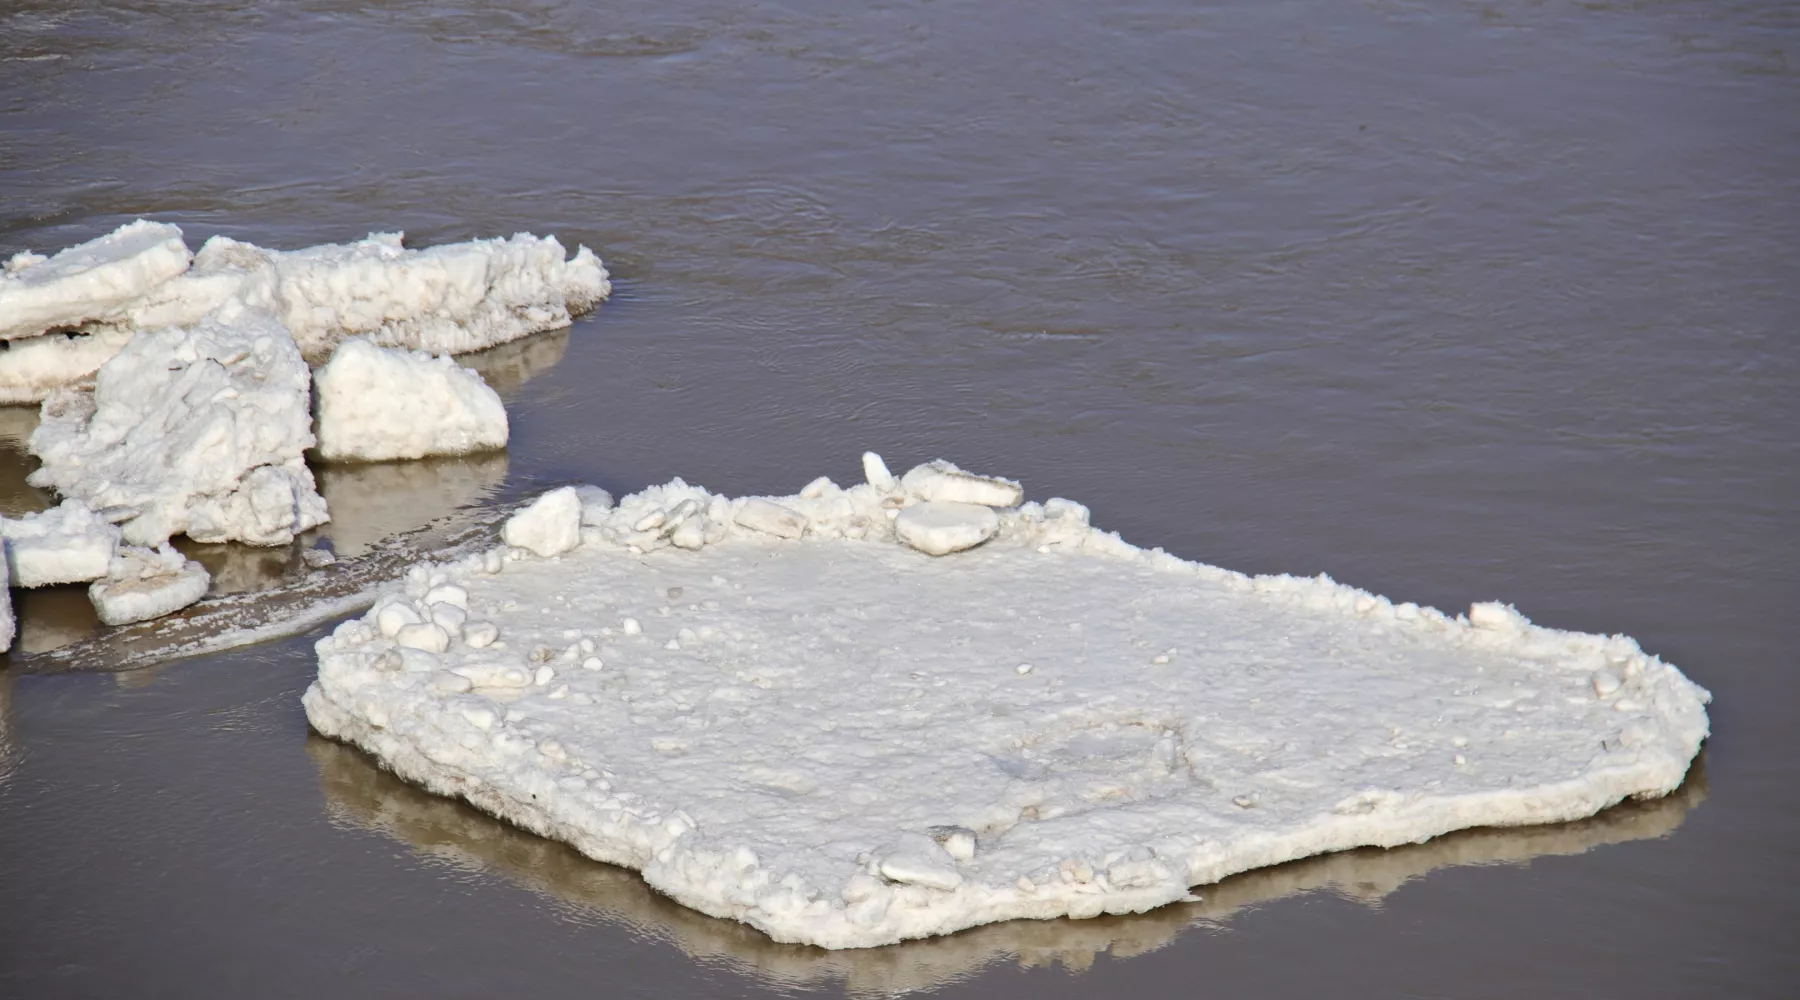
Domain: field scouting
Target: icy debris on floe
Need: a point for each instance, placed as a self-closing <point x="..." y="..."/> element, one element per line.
<point x="550" y="526"/>
<point x="829" y="739"/>
<point x="65" y="544"/>
<point x="147" y="583"/>
<point x="96" y="280"/>
<point x="942" y="481"/>
<point x="198" y="431"/>
<point x="377" y="403"/>
<point x="940" y="527"/>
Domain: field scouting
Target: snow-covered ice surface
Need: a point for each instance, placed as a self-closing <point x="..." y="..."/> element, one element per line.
<point x="842" y="741"/>
<point x="68" y="543"/>
<point x="376" y="403"/>
<point x="96" y="280"/>
<point x="143" y="584"/>
<point x="197" y="431"/>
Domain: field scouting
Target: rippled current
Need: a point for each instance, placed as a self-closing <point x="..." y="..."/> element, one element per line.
<point x="1452" y="300"/>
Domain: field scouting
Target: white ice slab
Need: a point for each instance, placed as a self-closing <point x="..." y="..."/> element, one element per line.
<point x="96" y="280"/>
<point x="147" y="583"/>
<point x="190" y="431"/>
<point x="796" y="732"/>
<point x="68" y="543"/>
<point x="378" y="403"/>
<point x="445" y="299"/>
<point x="32" y="368"/>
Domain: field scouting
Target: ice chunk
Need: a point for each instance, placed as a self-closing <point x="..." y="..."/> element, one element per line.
<point x="377" y="403"/>
<point x="147" y="583"/>
<point x="96" y="280"/>
<point x="446" y="300"/>
<point x="198" y="431"/>
<point x="918" y="860"/>
<point x="31" y="369"/>
<point x="595" y="502"/>
<point x="1300" y="717"/>
<point x="65" y="544"/>
<point x="771" y="518"/>
<point x="876" y="472"/>
<point x="940" y="527"/>
<point x="550" y="526"/>
<point x="940" y="480"/>
<point x="9" y="627"/>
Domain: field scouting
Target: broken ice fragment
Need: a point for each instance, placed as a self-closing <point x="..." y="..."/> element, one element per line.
<point x="772" y="518"/>
<point x="942" y="527"/>
<point x="377" y="403"/>
<point x="550" y="526"/>
<point x="939" y="480"/>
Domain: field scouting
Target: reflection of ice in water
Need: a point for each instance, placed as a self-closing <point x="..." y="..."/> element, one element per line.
<point x="241" y="569"/>
<point x="373" y="501"/>
<point x="513" y="364"/>
<point x="359" y="794"/>
<point x="16" y="496"/>
<point x="50" y="617"/>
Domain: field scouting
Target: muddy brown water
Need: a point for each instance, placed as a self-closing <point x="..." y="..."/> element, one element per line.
<point x="1454" y="301"/>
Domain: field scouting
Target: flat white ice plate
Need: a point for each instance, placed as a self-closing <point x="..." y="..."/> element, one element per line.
<point x="783" y="732"/>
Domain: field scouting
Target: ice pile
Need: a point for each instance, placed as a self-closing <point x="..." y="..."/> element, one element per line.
<point x="61" y="317"/>
<point x="376" y="404"/>
<point x="197" y="431"/>
<point x="787" y="711"/>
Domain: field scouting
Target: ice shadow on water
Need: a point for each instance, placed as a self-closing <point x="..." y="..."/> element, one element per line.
<point x="360" y="795"/>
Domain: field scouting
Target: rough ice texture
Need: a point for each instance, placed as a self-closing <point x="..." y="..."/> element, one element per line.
<point x="92" y="298"/>
<point x="144" y="583"/>
<point x="31" y="369"/>
<point x="790" y="731"/>
<point x="65" y="544"/>
<point x="198" y="431"/>
<point x="550" y="526"/>
<point x="378" y="403"/>
<point x="96" y="280"/>
<point x="446" y="299"/>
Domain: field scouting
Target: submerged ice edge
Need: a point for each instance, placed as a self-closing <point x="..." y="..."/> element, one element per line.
<point x="229" y="621"/>
<point x="560" y="782"/>
<point x="360" y="794"/>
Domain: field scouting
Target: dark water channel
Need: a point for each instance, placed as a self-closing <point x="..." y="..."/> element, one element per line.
<point x="1454" y="301"/>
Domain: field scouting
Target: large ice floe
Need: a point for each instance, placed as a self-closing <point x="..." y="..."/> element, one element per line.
<point x="198" y="431"/>
<point x="62" y="317"/>
<point x="376" y="404"/>
<point x="786" y="711"/>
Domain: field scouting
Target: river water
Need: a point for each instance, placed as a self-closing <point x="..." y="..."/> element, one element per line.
<point x="1454" y="301"/>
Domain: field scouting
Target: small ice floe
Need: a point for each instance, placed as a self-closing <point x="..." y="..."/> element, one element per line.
<point x="147" y="583"/>
<point x="377" y="403"/>
<point x="1081" y="787"/>
<point x="875" y="472"/>
<point x="65" y="544"/>
<point x="940" y="527"/>
<point x="195" y="431"/>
